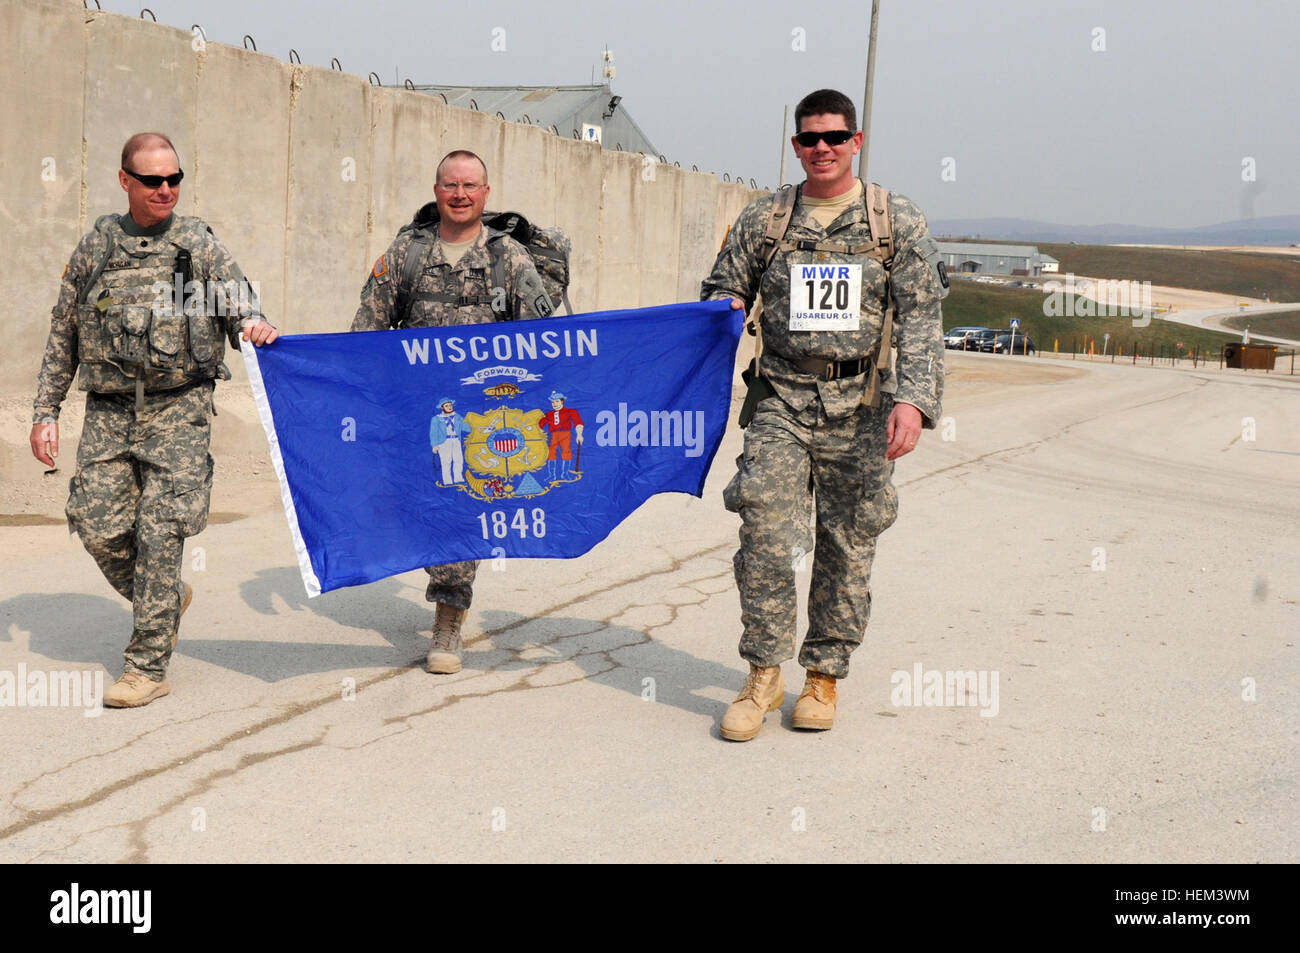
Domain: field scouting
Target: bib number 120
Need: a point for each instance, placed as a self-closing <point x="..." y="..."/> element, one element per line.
<point x="838" y="287"/>
<point x="500" y="526"/>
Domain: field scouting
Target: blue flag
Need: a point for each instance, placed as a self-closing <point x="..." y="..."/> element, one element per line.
<point x="402" y="449"/>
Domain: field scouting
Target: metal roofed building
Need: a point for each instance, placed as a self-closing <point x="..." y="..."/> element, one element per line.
<point x="993" y="259"/>
<point x="566" y="110"/>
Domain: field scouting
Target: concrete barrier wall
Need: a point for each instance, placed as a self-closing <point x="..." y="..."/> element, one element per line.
<point x="40" y="172"/>
<point x="239" y="153"/>
<point x="305" y="173"/>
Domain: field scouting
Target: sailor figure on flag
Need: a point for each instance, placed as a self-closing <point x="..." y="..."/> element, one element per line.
<point x="445" y="432"/>
<point x="564" y="425"/>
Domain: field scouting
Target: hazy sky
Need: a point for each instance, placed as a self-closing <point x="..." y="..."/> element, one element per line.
<point x="1151" y="130"/>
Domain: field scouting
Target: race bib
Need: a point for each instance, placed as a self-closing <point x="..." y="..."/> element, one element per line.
<point x="825" y="297"/>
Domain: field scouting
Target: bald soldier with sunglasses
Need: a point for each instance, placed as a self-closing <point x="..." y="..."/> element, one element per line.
<point x="147" y="302"/>
<point x="829" y="415"/>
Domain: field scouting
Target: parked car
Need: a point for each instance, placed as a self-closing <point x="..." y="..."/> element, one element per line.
<point x="959" y="338"/>
<point x="1019" y="344"/>
<point x="982" y="340"/>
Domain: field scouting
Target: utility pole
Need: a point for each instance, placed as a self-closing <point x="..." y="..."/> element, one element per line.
<point x="785" y="145"/>
<point x="871" y="79"/>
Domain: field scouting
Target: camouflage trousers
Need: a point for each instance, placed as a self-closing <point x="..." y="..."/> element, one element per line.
<point x="791" y="462"/>
<point x="452" y="583"/>
<point x="142" y="486"/>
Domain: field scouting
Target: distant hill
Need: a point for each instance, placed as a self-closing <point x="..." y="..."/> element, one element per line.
<point x="1274" y="230"/>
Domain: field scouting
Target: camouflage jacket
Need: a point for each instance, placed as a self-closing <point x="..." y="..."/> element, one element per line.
<point x="918" y="328"/>
<point x="446" y="294"/>
<point x="226" y="297"/>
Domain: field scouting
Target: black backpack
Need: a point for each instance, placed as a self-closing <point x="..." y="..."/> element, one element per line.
<point x="549" y="248"/>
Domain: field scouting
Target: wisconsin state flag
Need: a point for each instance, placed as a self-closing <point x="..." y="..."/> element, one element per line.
<point x="402" y="449"/>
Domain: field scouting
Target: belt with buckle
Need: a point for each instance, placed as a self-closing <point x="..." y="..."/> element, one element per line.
<point x="834" y="370"/>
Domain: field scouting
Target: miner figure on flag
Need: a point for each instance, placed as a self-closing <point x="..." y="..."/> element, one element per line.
<point x="564" y="425"/>
<point x="445" y="432"/>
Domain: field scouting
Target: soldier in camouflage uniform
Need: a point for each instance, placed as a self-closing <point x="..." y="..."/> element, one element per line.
<point x="466" y="274"/>
<point x="816" y="437"/>
<point x="143" y="470"/>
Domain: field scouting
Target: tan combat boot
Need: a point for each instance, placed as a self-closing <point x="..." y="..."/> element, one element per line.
<point x="134" y="690"/>
<point x="444" y="656"/>
<point x="763" y="692"/>
<point x="815" y="708"/>
<point x="187" y="596"/>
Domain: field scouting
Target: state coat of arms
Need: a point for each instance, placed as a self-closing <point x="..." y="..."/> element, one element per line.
<point x="509" y="450"/>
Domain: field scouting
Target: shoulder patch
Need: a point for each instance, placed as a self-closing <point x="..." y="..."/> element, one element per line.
<point x="381" y="267"/>
<point x="542" y="305"/>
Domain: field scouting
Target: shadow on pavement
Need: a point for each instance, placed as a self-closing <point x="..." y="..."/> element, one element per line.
<point x="92" y="630"/>
<point x="69" y="627"/>
<point x="615" y="656"/>
<point x="383" y="608"/>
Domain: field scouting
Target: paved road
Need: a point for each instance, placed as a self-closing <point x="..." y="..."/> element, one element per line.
<point x="1101" y="537"/>
<point x="1213" y="319"/>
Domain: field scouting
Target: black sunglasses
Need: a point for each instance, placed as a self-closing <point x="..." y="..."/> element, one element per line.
<point x="836" y="137"/>
<point x="154" y="181"/>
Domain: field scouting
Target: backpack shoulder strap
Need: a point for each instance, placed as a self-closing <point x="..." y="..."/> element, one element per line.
<point x="878" y="219"/>
<point x="882" y="231"/>
<point x="498" y="257"/>
<point x="101" y="226"/>
<point x="777" y="222"/>
<point x="417" y="252"/>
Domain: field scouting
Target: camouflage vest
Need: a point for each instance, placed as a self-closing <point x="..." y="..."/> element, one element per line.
<point x="131" y="335"/>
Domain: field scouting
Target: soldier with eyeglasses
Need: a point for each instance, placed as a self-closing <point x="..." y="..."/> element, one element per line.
<point x="147" y="303"/>
<point x="447" y="268"/>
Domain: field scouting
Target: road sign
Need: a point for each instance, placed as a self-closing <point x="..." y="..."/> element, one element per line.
<point x="1015" y="324"/>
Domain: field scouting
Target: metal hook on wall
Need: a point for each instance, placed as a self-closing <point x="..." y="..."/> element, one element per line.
<point x="374" y="79"/>
<point x="335" y="64"/>
<point x="249" y="39"/>
<point x="294" y="57"/>
<point x="143" y="12"/>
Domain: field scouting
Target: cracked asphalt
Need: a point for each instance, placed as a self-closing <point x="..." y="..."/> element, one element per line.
<point x="1113" y="543"/>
